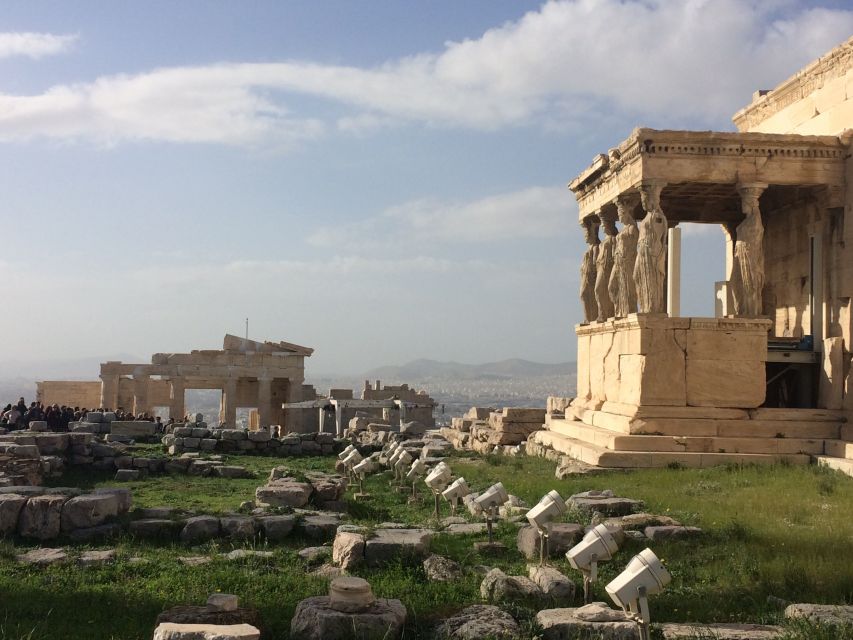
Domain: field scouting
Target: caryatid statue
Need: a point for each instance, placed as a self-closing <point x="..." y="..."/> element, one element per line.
<point x="621" y="287"/>
<point x="604" y="265"/>
<point x="650" y="266"/>
<point x="587" y="291"/>
<point x="748" y="272"/>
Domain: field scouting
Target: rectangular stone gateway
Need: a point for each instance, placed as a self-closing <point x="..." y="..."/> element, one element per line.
<point x="655" y="360"/>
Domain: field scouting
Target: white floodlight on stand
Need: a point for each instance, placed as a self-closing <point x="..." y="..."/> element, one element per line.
<point x="343" y="454"/>
<point x="417" y="469"/>
<point x="362" y="469"/>
<point x="392" y="462"/>
<point x="400" y="464"/>
<point x="598" y="545"/>
<point x="350" y="461"/>
<point x="489" y="501"/>
<point x="550" y="507"/>
<point x="644" y="576"/>
<point x="457" y="490"/>
<point x="437" y="480"/>
<point x="387" y="451"/>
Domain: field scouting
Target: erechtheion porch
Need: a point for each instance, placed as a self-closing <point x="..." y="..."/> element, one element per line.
<point x="655" y="388"/>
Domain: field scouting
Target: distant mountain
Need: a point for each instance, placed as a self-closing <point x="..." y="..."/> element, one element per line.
<point x="512" y="368"/>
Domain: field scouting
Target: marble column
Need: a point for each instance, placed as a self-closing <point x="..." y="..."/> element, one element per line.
<point x="229" y="403"/>
<point x="604" y="265"/>
<point x="265" y="409"/>
<point x="294" y="394"/>
<point x="140" y="393"/>
<point x="650" y="265"/>
<point x="587" y="288"/>
<point x="748" y="271"/>
<point x="622" y="290"/>
<point x="177" y="408"/>
<point x="109" y="390"/>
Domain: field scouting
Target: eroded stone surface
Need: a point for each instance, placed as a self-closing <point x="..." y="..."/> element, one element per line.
<point x="498" y="586"/>
<point x="43" y="557"/>
<point x="562" y="537"/>
<point x="348" y="550"/>
<point x="595" y="619"/>
<point x="479" y="621"/>
<point x="822" y="613"/>
<point x="389" y="544"/>
<point x="174" y="631"/>
<point x="315" y="619"/>
<point x="688" y="631"/>
<point x="554" y="585"/>
<point x="441" y="569"/>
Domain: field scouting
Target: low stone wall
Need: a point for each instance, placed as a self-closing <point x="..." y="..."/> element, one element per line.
<point x="194" y="438"/>
<point x="45" y="514"/>
<point x="26" y="458"/>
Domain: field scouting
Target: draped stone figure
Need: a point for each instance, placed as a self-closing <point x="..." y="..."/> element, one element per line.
<point x="650" y="266"/>
<point x="621" y="287"/>
<point x="590" y="308"/>
<point x="604" y="266"/>
<point x="748" y="271"/>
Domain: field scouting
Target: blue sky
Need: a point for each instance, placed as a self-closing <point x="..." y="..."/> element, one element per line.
<point x="381" y="181"/>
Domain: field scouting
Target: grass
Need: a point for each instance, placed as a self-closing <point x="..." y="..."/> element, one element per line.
<point x="768" y="531"/>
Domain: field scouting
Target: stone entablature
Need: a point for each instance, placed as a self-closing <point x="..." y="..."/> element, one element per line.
<point x="649" y="360"/>
<point x="693" y="164"/>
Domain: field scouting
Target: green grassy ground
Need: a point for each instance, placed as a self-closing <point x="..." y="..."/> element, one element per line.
<point x="780" y="531"/>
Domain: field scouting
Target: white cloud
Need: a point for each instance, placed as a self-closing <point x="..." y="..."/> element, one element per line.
<point x="531" y="213"/>
<point x="34" y="45"/>
<point x="690" y="59"/>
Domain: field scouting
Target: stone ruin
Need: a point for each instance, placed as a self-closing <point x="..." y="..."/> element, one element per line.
<point x="488" y="431"/>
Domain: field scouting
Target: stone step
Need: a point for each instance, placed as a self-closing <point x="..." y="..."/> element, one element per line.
<point x="695" y="427"/>
<point x="602" y="457"/>
<point x="839" y="464"/>
<point x="710" y="444"/>
<point x="839" y="449"/>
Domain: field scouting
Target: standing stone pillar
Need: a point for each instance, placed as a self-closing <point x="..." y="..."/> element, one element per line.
<point x="622" y="290"/>
<point x="604" y="265"/>
<point x="650" y="266"/>
<point x="748" y="272"/>
<point x="109" y="390"/>
<point x="587" y="288"/>
<point x="322" y="420"/>
<point x="177" y="408"/>
<point x="294" y="394"/>
<point x="265" y="408"/>
<point x="229" y="403"/>
<point x="140" y="393"/>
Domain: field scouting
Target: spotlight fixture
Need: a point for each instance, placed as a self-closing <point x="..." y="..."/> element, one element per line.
<point x="489" y="501"/>
<point x="598" y="545"/>
<point x="644" y="576"/>
<point x="437" y="480"/>
<point x="550" y="507"/>
<point x="457" y="490"/>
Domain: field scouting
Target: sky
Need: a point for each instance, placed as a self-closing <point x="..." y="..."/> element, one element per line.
<point x="381" y="181"/>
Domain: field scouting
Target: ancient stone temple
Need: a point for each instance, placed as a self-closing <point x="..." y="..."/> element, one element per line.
<point x="769" y="377"/>
<point x="250" y="374"/>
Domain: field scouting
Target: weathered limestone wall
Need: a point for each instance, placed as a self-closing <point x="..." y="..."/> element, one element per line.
<point x="657" y="360"/>
<point x="816" y="101"/>
<point x="787" y="268"/>
<point x="70" y="393"/>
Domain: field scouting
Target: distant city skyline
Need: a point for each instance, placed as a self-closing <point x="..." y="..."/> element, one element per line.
<point x="381" y="182"/>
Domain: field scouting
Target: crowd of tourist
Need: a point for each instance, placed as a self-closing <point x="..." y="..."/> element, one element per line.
<point x="19" y="415"/>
